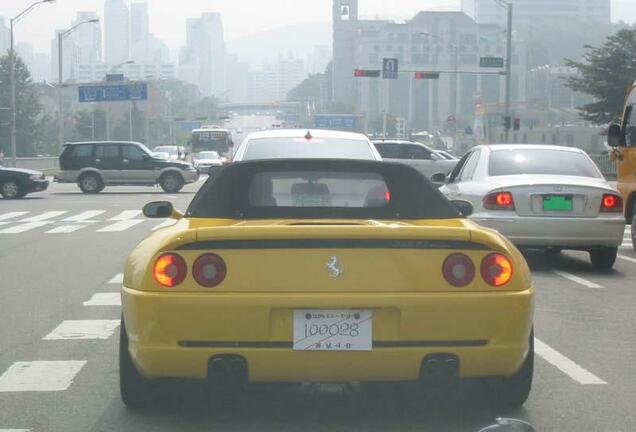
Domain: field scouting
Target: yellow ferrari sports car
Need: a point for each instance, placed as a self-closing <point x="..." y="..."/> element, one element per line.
<point x="324" y="271"/>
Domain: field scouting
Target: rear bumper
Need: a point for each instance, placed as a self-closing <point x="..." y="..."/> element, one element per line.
<point x="175" y="335"/>
<point x="581" y="233"/>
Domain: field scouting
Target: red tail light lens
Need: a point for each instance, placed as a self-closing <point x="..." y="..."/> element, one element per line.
<point x="209" y="270"/>
<point x="611" y="203"/>
<point x="496" y="269"/>
<point x="458" y="270"/>
<point x="170" y="270"/>
<point x="499" y="201"/>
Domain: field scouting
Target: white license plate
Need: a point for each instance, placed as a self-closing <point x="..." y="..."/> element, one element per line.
<point x="333" y="330"/>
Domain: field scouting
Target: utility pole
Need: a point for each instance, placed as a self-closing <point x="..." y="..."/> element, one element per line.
<point x="13" y="109"/>
<point x="508" y="65"/>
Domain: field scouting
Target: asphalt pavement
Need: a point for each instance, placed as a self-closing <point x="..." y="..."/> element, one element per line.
<point x="61" y="259"/>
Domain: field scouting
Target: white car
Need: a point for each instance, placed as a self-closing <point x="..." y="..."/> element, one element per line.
<point x="204" y="160"/>
<point x="541" y="196"/>
<point x="419" y="156"/>
<point x="303" y="143"/>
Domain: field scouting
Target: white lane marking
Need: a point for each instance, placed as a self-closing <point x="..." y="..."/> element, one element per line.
<point x="17" y="229"/>
<point x="577" y="279"/>
<point x="84" y="216"/>
<point x="165" y="223"/>
<point x="121" y="225"/>
<point x="15" y="430"/>
<point x="65" y="229"/>
<point x="44" y="216"/>
<point x="565" y="365"/>
<point x="83" y="329"/>
<point x="11" y="215"/>
<point x="126" y="215"/>
<point x="40" y="375"/>
<point x="4" y="223"/>
<point x="117" y="279"/>
<point x="104" y="299"/>
<point x="626" y="258"/>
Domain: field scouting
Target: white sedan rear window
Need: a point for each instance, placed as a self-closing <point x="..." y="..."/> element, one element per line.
<point x="541" y="162"/>
<point x="315" y="148"/>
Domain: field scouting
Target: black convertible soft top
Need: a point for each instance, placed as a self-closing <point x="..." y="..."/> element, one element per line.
<point x="409" y="195"/>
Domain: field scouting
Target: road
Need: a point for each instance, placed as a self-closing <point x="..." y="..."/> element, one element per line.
<point x="61" y="257"/>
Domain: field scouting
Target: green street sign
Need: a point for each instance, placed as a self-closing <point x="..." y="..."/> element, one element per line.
<point x="491" y="62"/>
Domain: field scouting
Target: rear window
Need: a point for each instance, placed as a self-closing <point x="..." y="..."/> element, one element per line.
<point x="318" y="189"/>
<point x="322" y="148"/>
<point x="541" y="162"/>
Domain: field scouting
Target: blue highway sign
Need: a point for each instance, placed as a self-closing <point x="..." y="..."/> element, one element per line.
<point x="113" y="92"/>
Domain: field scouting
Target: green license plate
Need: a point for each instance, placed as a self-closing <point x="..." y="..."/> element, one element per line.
<point x="557" y="203"/>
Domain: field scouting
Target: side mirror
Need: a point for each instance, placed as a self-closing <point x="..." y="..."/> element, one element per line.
<point x="464" y="208"/>
<point x="614" y="135"/>
<point x="435" y="157"/>
<point x="438" y="178"/>
<point x="161" y="210"/>
<point x="146" y="157"/>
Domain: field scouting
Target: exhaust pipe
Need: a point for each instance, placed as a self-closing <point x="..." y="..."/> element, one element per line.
<point x="439" y="368"/>
<point x="227" y="371"/>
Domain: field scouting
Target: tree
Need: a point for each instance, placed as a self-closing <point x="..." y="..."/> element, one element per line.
<point x="606" y="72"/>
<point x="28" y="125"/>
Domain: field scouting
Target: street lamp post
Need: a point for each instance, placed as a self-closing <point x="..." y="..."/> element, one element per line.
<point x="13" y="21"/>
<point x="508" y="6"/>
<point x="60" y="70"/>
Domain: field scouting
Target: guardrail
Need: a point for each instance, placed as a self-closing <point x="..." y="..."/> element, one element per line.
<point x="606" y="165"/>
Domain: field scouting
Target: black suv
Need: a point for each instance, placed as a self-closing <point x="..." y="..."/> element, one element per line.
<point x="95" y="165"/>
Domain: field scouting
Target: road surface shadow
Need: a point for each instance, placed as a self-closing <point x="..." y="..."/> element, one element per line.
<point x="575" y="262"/>
<point x="189" y="406"/>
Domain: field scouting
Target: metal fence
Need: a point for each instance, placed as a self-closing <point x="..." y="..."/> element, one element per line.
<point x="48" y="165"/>
<point x="605" y="164"/>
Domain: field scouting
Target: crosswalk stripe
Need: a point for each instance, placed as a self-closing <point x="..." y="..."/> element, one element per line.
<point x="577" y="279"/>
<point x="117" y="279"/>
<point x="104" y="299"/>
<point x="83" y="329"/>
<point x="121" y="225"/>
<point x="565" y="365"/>
<point x="44" y="216"/>
<point x="165" y="223"/>
<point x="65" y="229"/>
<point x="84" y="216"/>
<point x="126" y="215"/>
<point x="626" y="258"/>
<point x="11" y="215"/>
<point x="40" y="375"/>
<point x="17" y="229"/>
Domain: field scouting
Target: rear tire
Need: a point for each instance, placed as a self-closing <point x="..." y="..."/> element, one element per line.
<point x="603" y="258"/>
<point x="171" y="182"/>
<point x="512" y="392"/>
<point x="10" y="189"/>
<point x="136" y="391"/>
<point x="90" y="183"/>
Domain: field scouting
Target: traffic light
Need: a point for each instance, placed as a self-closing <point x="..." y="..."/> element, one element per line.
<point x="366" y="73"/>
<point x="426" y="75"/>
<point x="507" y="122"/>
<point x="516" y="123"/>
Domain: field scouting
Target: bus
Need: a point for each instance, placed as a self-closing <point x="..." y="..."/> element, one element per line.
<point x="212" y="138"/>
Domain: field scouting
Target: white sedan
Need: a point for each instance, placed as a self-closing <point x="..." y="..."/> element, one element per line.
<point x="205" y="160"/>
<point x="541" y="196"/>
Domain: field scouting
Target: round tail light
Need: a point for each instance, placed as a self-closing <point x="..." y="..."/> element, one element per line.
<point x="458" y="270"/>
<point x="209" y="270"/>
<point x="496" y="269"/>
<point x="170" y="270"/>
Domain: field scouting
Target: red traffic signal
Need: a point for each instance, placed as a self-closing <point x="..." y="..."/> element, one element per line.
<point x="426" y="75"/>
<point x="366" y="73"/>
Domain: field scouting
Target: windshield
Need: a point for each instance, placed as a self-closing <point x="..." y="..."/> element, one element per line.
<point x="541" y="162"/>
<point x="170" y="150"/>
<point x="274" y="148"/>
<point x="208" y="155"/>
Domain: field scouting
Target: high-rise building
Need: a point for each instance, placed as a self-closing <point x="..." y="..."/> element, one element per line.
<point x="87" y="38"/>
<point x="318" y="59"/>
<point x="274" y="80"/>
<point x="139" y="32"/>
<point x="70" y="58"/>
<point x="202" y="60"/>
<point x="345" y="29"/>
<point x="116" y="32"/>
<point x="41" y="70"/>
<point x="490" y="12"/>
<point x="4" y="36"/>
<point x="236" y="79"/>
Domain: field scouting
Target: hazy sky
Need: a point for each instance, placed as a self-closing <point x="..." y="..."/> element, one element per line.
<point x="240" y="17"/>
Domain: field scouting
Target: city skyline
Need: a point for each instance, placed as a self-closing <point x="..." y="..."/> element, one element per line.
<point x="167" y="21"/>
